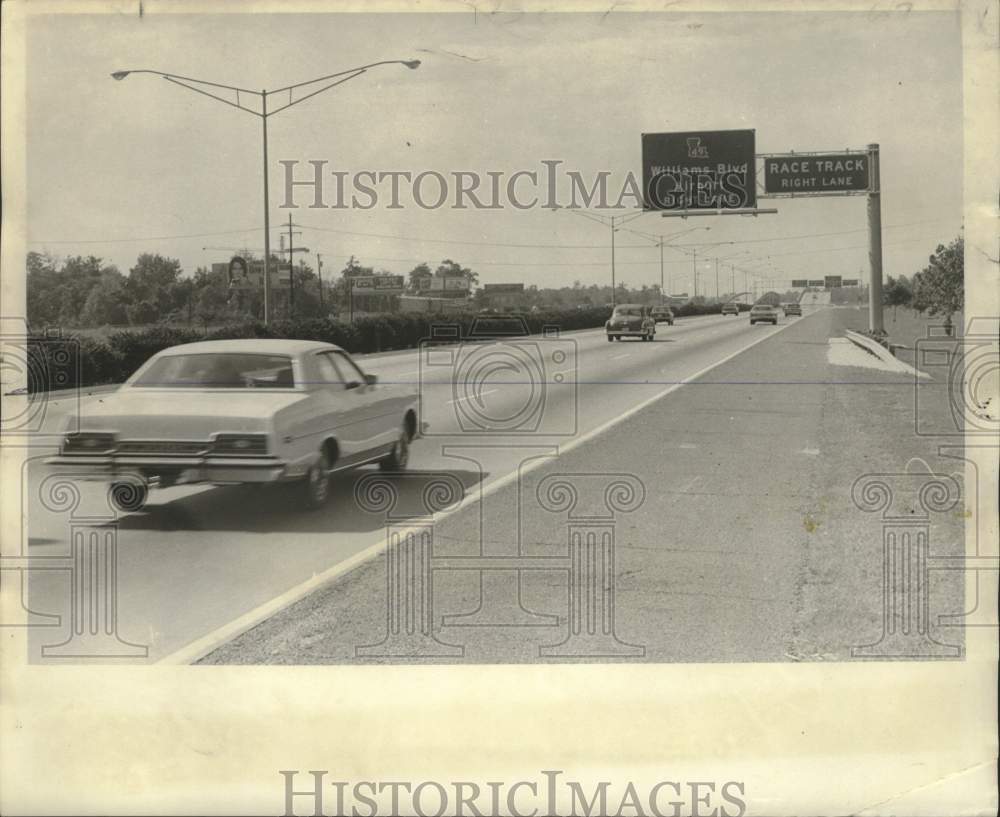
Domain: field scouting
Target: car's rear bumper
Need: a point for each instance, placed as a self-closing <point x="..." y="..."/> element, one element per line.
<point x="631" y="331"/>
<point x="174" y="469"/>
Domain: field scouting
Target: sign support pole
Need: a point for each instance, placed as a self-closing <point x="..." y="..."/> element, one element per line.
<point x="875" y="243"/>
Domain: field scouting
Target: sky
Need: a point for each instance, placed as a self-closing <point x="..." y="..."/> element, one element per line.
<point x="120" y="168"/>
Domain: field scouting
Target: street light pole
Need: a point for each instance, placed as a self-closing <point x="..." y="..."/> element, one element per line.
<point x="613" y="286"/>
<point x="661" y="272"/>
<point x="338" y="78"/>
<point x="267" y="218"/>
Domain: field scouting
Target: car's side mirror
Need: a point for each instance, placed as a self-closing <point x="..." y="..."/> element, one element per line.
<point x="371" y="379"/>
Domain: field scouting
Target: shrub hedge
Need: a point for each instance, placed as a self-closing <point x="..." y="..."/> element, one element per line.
<point x="67" y="362"/>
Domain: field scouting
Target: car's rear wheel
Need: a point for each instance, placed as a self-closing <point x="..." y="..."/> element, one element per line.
<point x="316" y="485"/>
<point x="128" y="496"/>
<point x="610" y="338"/>
<point x="399" y="457"/>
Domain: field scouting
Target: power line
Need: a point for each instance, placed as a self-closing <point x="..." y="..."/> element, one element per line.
<point x="142" y="238"/>
<point x="458" y="242"/>
<point x="604" y="246"/>
<point x="686" y="263"/>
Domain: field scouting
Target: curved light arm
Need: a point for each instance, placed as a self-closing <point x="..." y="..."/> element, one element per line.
<point x="411" y="64"/>
<point x="120" y="75"/>
<point x="339" y="77"/>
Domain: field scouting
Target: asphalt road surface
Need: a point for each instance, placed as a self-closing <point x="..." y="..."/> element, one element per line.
<point x="707" y="439"/>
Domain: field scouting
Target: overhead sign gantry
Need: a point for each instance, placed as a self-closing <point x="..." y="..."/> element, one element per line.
<point x="697" y="173"/>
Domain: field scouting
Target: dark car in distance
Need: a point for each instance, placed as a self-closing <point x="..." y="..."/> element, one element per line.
<point x="630" y="320"/>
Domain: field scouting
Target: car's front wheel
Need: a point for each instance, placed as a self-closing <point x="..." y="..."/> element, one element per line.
<point x="128" y="496"/>
<point x="316" y="485"/>
<point x="399" y="457"/>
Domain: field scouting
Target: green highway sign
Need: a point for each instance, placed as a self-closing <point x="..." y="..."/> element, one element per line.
<point x="810" y="173"/>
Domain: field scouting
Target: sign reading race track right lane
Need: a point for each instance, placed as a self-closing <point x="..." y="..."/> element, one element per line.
<point x="802" y="173"/>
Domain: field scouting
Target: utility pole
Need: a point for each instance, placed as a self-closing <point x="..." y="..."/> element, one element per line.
<point x="732" y="278"/>
<point x="694" y="261"/>
<point x="291" y="272"/>
<point x="875" y="242"/>
<point x="319" y="273"/>
<point x="716" y="279"/>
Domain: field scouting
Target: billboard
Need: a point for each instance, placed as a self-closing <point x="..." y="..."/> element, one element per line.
<point x="436" y="283"/>
<point x="833" y="281"/>
<point x="799" y="283"/>
<point x="251" y="275"/>
<point x="699" y="170"/>
<point x="817" y="283"/>
<point x="850" y="282"/>
<point x="827" y="173"/>
<point x="379" y="283"/>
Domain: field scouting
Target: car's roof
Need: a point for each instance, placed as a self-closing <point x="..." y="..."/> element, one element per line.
<point x="628" y="306"/>
<point x="275" y="346"/>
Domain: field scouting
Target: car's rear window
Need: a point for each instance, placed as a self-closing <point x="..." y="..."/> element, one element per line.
<point x="632" y="313"/>
<point x="219" y="370"/>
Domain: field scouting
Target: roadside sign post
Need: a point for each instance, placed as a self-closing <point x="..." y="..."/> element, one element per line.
<point x="875" y="323"/>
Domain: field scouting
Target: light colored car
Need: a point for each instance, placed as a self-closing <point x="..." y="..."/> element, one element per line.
<point x="764" y="313"/>
<point x="731" y="308"/>
<point x="240" y="411"/>
<point x="630" y="320"/>
<point x="662" y="313"/>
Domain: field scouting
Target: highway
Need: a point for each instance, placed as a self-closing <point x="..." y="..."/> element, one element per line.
<point x="200" y="565"/>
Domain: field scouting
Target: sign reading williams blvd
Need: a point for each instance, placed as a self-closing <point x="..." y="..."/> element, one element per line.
<point x="699" y="170"/>
<point x="827" y="173"/>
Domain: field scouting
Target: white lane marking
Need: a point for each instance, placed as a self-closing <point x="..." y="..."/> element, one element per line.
<point x="471" y="396"/>
<point x="619" y="357"/>
<point x="687" y="445"/>
<point x="812" y="452"/>
<point x="201" y="647"/>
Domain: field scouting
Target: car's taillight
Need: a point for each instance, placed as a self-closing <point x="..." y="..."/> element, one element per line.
<point x="240" y="445"/>
<point x="88" y="442"/>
